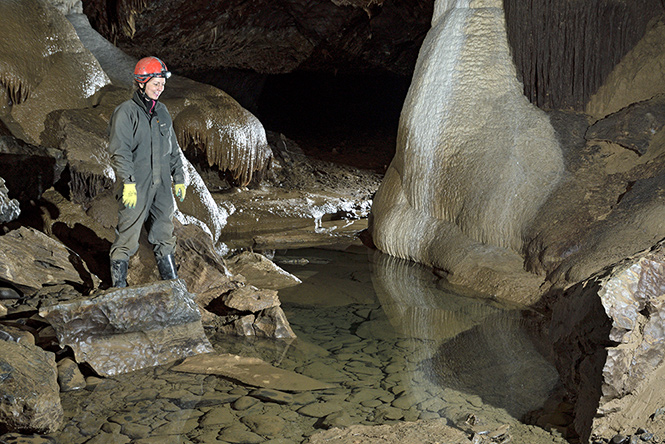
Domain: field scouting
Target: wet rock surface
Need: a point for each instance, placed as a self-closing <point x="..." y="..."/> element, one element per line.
<point x="127" y="329"/>
<point x="9" y="208"/>
<point x="29" y="388"/>
<point x="29" y="259"/>
<point x="260" y="271"/>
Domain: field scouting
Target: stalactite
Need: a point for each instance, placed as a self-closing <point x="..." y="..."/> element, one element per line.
<point x="85" y="186"/>
<point x="112" y="18"/>
<point x="564" y="49"/>
<point x="236" y="146"/>
<point x="17" y="91"/>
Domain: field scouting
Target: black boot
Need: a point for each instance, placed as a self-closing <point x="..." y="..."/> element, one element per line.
<point x="119" y="273"/>
<point x="166" y="267"/>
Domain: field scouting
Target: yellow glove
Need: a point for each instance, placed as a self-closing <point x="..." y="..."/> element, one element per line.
<point x="129" y="195"/>
<point x="180" y="191"/>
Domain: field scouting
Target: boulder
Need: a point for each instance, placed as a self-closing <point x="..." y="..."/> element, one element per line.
<point x="122" y="330"/>
<point x="9" y="208"/>
<point x="29" y="389"/>
<point x="608" y="334"/>
<point x="29" y="260"/>
<point x="260" y="271"/>
<point x="250" y="311"/>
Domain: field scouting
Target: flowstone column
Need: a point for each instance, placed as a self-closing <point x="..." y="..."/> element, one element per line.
<point x="474" y="159"/>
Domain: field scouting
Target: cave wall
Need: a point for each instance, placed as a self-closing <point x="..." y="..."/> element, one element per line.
<point x="565" y="49"/>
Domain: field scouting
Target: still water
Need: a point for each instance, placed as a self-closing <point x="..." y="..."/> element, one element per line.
<point x="396" y="343"/>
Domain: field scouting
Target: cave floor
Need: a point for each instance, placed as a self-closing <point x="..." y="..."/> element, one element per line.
<point x="476" y="372"/>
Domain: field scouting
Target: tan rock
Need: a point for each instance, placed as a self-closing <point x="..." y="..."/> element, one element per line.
<point x="251" y="371"/>
<point x="260" y="271"/>
<point x="127" y="329"/>
<point x="30" y="389"/>
<point x="30" y="259"/>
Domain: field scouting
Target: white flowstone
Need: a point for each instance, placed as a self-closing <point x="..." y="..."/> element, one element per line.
<point x="475" y="160"/>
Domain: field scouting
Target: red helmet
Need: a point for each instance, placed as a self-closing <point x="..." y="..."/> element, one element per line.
<point x="149" y="67"/>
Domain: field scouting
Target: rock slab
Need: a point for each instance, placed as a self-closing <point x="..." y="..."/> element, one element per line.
<point x="252" y="371"/>
<point x="127" y="329"/>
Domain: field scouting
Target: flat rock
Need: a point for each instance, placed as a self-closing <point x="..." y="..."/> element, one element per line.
<point x="251" y="371"/>
<point x="250" y="298"/>
<point x="29" y="259"/>
<point x="260" y="271"/>
<point x="127" y="329"/>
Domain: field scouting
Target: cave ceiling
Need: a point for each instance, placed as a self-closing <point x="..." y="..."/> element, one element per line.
<point x="268" y="36"/>
<point x="563" y="49"/>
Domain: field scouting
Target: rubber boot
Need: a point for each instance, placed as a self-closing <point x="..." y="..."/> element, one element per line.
<point x="119" y="273"/>
<point x="166" y="267"/>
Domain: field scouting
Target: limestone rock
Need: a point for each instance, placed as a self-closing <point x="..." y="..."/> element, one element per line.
<point x="459" y="123"/>
<point x="12" y="333"/>
<point x="29" y="389"/>
<point x="260" y="271"/>
<point x="46" y="68"/>
<point x="69" y="376"/>
<point x="250" y="298"/>
<point x="634" y="127"/>
<point x="633" y="79"/>
<point x="249" y="311"/>
<point x="608" y="335"/>
<point x="275" y="40"/>
<point x="252" y="371"/>
<point x="30" y="259"/>
<point x="272" y="323"/>
<point x="9" y="208"/>
<point x="123" y="330"/>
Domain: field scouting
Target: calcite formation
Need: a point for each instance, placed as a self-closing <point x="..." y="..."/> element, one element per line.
<point x="475" y="160"/>
<point x="44" y="66"/>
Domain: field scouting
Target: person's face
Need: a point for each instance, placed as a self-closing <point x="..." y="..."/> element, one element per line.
<point x="154" y="87"/>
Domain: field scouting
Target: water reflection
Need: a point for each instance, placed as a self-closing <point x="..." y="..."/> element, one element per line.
<point x="396" y="343"/>
<point x="473" y="345"/>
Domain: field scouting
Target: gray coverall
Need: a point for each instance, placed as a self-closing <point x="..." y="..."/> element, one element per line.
<point x="144" y="151"/>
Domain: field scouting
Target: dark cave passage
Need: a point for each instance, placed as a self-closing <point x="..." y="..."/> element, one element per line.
<point x="343" y="118"/>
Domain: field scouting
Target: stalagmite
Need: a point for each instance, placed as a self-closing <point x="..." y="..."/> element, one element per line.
<point x="474" y="160"/>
